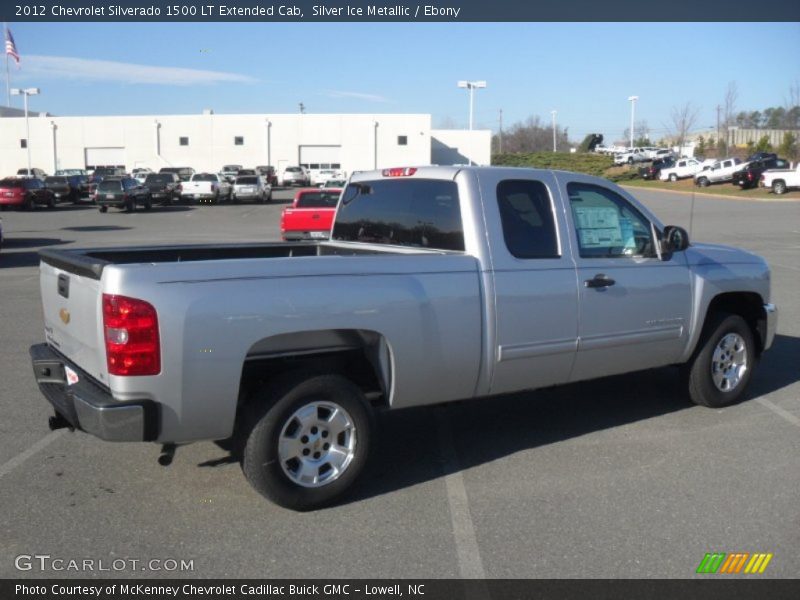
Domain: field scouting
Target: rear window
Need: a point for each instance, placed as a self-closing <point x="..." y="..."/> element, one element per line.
<point x="113" y="185"/>
<point x="292" y="169"/>
<point x="409" y="212"/>
<point x="56" y="180"/>
<point x="318" y="199"/>
<point x="247" y="180"/>
<point x="204" y="178"/>
<point x="527" y="216"/>
<point x="10" y="183"/>
<point x="161" y="178"/>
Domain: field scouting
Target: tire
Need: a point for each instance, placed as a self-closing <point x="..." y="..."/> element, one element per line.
<point x="673" y="177"/>
<point x="703" y="182"/>
<point x="269" y="197"/>
<point x="103" y="209"/>
<point x="51" y="202"/>
<point x="130" y="206"/>
<point x="779" y="187"/>
<point x="284" y="475"/>
<point x="727" y="343"/>
<point x="148" y="204"/>
<point x="27" y="203"/>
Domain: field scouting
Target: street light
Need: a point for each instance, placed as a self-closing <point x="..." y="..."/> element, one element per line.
<point x="471" y="86"/>
<point x="554" y="112"/>
<point x="26" y="92"/>
<point x="632" y="100"/>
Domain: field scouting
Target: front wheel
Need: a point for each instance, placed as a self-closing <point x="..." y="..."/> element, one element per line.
<point x="723" y="364"/>
<point x="673" y="177"/>
<point x="308" y="440"/>
<point x="703" y="182"/>
<point x="103" y="209"/>
<point x="779" y="187"/>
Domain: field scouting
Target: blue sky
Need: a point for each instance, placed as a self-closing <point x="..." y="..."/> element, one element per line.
<point x="585" y="71"/>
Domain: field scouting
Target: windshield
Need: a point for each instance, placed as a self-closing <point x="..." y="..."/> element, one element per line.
<point x="320" y="199"/>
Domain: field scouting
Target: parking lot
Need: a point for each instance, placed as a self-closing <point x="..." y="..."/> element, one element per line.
<point x="615" y="478"/>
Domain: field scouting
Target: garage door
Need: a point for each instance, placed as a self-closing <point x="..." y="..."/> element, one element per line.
<point x="321" y="157"/>
<point x="105" y="157"/>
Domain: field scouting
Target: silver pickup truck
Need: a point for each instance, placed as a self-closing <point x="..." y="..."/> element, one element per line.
<point x="438" y="284"/>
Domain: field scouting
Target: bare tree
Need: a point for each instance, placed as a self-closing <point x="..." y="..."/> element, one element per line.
<point x="682" y="120"/>
<point x="729" y="110"/>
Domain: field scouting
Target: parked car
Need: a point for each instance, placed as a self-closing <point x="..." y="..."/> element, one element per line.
<point x="781" y="180"/>
<point x="62" y="189"/>
<point x="683" y="168"/>
<point x="311" y="214"/>
<point x="720" y="171"/>
<point x="206" y="187"/>
<point x="761" y="156"/>
<point x="751" y="174"/>
<point x="653" y="170"/>
<point x="81" y="184"/>
<point x="251" y="187"/>
<point x="122" y="192"/>
<point x="230" y="172"/>
<point x="662" y="153"/>
<point x="269" y="174"/>
<point x="164" y="187"/>
<point x="34" y="172"/>
<point x="71" y="172"/>
<point x="24" y="193"/>
<point x="335" y="183"/>
<point x="438" y="284"/>
<point x="295" y="176"/>
<point x="321" y="176"/>
<point x="183" y="173"/>
<point x="140" y="174"/>
<point x="631" y="156"/>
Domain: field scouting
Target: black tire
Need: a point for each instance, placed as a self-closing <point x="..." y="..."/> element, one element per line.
<point x="269" y="197"/>
<point x="264" y="420"/>
<point x="673" y="177"/>
<point x="703" y="182"/>
<point x="27" y="203"/>
<point x="702" y="389"/>
<point x="779" y="187"/>
<point x="103" y="209"/>
<point x="148" y="204"/>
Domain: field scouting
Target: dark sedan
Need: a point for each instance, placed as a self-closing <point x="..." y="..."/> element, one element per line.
<point x="653" y="170"/>
<point x="62" y="188"/>
<point x="122" y="192"/>
<point x="164" y="187"/>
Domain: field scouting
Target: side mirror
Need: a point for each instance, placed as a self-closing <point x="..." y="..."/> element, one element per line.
<point x="676" y="239"/>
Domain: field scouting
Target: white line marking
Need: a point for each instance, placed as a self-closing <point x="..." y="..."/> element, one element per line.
<point x="20" y="458"/>
<point x="470" y="565"/>
<point x="785" y="414"/>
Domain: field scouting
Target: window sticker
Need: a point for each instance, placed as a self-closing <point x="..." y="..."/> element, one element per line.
<point x="600" y="227"/>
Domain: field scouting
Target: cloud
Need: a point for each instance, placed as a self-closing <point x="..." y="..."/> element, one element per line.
<point x="82" y="69"/>
<point x="357" y="96"/>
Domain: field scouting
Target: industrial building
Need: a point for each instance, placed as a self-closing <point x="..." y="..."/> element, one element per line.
<point x="208" y="141"/>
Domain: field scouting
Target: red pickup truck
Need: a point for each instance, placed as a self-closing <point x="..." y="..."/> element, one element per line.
<point x="311" y="214"/>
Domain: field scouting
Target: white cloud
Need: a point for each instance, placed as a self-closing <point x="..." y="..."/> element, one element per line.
<point x="357" y="96"/>
<point x="84" y="69"/>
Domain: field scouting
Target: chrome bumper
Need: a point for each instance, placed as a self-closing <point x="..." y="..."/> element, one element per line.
<point x="771" y="313"/>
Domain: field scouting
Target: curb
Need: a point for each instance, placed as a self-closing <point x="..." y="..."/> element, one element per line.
<point x="707" y="195"/>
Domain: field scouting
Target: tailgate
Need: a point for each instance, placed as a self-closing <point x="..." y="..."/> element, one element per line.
<point x="308" y="219"/>
<point x="72" y="317"/>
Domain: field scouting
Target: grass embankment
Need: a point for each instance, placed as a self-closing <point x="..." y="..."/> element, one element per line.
<point x="603" y="166"/>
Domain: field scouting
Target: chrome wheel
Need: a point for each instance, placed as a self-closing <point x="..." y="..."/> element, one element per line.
<point x="729" y="362"/>
<point x="317" y="444"/>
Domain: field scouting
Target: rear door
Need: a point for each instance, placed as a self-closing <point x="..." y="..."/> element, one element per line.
<point x="634" y="308"/>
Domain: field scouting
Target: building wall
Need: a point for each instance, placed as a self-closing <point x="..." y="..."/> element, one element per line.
<point x="459" y="146"/>
<point x="268" y="139"/>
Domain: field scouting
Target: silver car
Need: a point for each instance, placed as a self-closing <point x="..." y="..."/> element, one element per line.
<point x="251" y="187"/>
<point x="295" y="176"/>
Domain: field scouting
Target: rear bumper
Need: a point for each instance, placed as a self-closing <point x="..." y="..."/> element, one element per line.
<point x="89" y="407"/>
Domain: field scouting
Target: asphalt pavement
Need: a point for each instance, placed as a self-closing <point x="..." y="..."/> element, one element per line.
<point x="616" y="478"/>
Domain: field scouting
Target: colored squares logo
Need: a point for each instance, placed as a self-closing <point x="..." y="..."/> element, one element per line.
<point x="734" y="563"/>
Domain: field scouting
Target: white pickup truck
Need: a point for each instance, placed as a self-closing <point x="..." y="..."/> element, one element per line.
<point x="781" y="180"/>
<point x="438" y="284"/>
<point x="719" y="171"/>
<point x="683" y="168"/>
<point x="631" y="156"/>
<point x="206" y="187"/>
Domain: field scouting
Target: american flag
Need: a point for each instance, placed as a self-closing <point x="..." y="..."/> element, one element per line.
<point x="11" y="47"/>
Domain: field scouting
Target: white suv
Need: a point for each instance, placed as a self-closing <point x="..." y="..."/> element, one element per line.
<point x="720" y="171"/>
<point x="295" y="176"/>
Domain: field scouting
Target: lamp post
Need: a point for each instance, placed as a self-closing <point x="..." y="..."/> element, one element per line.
<point x="25" y="92"/>
<point x="471" y="86"/>
<point x="632" y="100"/>
<point x="554" y="112"/>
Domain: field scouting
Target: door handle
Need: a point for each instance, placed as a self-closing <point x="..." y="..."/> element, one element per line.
<point x="599" y="281"/>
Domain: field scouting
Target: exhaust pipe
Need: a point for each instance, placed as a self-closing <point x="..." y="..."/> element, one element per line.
<point x="167" y="454"/>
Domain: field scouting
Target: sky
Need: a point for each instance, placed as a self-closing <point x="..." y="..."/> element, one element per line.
<point x="585" y="71"/>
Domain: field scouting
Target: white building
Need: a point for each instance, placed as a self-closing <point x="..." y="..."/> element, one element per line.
<point x="208" y="141"/>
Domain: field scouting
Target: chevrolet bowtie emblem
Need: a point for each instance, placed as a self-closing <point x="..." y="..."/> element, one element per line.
<point x="64" y="314"/>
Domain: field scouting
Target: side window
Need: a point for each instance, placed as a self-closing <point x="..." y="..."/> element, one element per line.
<point x="607" y="225"/>
<point x="526" y="214"/>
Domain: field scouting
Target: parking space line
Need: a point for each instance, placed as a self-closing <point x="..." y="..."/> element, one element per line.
<point x="20" y="458"/>
<point x="774" y="264"/>
<point x="470" y="565"/>
<point x="783" y="413"/>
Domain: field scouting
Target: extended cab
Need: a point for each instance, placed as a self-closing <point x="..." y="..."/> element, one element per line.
<point x="311" y="214"/>
<point x="720" y="171"/>
<point x="438" y="284"/>
<point x="206" y="187"/>
<point x="781" y="180"/>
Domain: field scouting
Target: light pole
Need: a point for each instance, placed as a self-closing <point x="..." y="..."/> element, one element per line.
<point x="632" y="100"/>
<point x="26" y="92"/>
<point x="554" y="112"/>
<point x="471" y="86"/>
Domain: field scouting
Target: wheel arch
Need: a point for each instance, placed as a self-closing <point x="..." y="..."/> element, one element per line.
<point x="748" y="305"/>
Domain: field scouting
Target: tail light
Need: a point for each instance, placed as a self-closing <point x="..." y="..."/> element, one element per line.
<point x="750" y="175"/>
<point x="133" y="346"/>
<point x="399" y="172"/>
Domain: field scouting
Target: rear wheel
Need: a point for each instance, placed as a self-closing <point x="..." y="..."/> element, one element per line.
<point x="722" y="366"/>
<point x="103" y="209"/>
<point x="307" y="440"/>
<point x="673" y="177"/>
<point x="27" y="203"/>
<point x="779" y="187"/>
<point x="703" y="182"/>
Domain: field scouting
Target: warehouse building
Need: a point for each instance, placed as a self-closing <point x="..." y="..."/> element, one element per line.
<point x="206" y="142"/>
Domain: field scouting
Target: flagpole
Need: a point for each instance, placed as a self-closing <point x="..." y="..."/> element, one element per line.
<point x="8" y="72"/>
